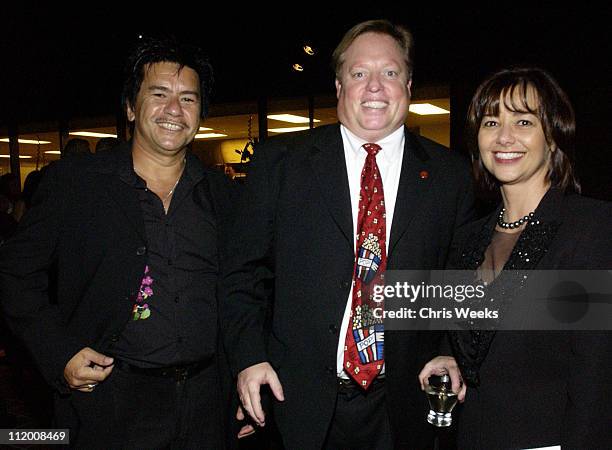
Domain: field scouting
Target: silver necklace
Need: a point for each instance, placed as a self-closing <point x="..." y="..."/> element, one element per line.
<point x="171" y="191"/>
<point x="173" y="188"/>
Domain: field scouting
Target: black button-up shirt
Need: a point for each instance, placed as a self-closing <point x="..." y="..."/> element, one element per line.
<point x="182" y="260"/>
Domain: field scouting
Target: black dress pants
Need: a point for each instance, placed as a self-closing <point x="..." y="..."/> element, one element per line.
<point x="135" y="411"/>
<point x="361" y="420"/>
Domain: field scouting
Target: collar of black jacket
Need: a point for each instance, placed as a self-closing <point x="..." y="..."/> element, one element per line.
<point x="549" y="210"/>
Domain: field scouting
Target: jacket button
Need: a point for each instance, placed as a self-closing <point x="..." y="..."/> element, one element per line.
<point x="345" y="284"/>
<point x="333" y="329"/>
<point x="330" y="369"/>
<point x="141" y="250"/>
<point x="114" y="338"/>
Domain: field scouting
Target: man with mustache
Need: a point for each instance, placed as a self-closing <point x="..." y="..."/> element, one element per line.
<point x="130" y="345"/>
<point x="324" y="213"/>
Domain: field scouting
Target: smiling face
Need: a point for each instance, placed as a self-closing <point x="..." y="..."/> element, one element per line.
<point x="512" y="144"/>
<point x="167" y="109"/>
<point x="373" y="88"/>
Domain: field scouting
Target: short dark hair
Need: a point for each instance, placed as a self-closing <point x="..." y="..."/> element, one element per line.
<point x="106" y="144"/>
<point x="400" y="34"/>
<point x="150" y="50"/>
<point x="553" y="108"/>
<point x="76" y="146"/>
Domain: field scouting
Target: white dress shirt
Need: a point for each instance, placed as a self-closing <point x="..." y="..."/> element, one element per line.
<point x="389" y="161"/>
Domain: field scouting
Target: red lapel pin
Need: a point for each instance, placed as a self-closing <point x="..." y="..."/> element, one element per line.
<point x="424" y="174"/>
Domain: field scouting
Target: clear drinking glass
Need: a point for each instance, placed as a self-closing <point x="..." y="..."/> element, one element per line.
<point x="442" y="400"/>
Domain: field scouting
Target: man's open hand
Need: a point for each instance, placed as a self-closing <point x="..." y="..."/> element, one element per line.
<point x="249" y="385"/>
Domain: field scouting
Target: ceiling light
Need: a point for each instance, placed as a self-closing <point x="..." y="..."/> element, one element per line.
<point x="20" y="156"/>
<point x="308" y="50"/>
<point x="53" y="152"/>
<point x="205" y="129"/>
<point x="291" y="118"/>
<point x="426" y="109"/>
<point x="298" y="68"/>
<point x="27" y="141"/>
<point x="287" y="130"/>
<point x="209" y="135"/>
<point x="92" y="134"/>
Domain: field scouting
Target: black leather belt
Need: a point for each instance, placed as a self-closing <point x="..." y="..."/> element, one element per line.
<point x="178" y="373"/>
<point x="349" y="383"/>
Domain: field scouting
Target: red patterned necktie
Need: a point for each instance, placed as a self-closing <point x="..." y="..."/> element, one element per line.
<point x="364" y="345"/>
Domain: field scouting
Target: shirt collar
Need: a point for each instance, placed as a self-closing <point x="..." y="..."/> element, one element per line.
<point x="392" y="144"/>
<point x="193" y="169"/>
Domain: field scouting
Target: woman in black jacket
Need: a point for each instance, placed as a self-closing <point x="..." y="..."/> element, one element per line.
<point x="530" y="389"/>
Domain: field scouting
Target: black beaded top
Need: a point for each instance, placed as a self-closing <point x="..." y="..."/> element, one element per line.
<point x="471" y="346"/>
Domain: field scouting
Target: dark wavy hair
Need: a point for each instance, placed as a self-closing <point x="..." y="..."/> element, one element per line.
<point x="553" y="108"/>
<point x="400" y="34"/>
<point x="151" y="50"/>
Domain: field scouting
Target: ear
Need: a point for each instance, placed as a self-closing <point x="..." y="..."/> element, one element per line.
<point x="410" y="87"/>
<point x="338" y="87"/>
<point x="130" y="113"/>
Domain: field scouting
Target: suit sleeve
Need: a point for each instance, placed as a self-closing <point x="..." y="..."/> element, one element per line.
<point x="248" y="268"/>
<point x="25" y="262"/>
<point x="464" y="212"/>
<point x="588" y="414"/>
<point x="465" y="206"/>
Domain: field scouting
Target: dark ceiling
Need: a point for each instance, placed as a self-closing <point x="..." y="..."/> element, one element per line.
<point x="69" y="63"/>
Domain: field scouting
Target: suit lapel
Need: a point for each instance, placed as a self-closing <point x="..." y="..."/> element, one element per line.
<point x="329" y="168"/>
<point x="119" y="191"/>
<point x="415" y="179"/>
<point x="128" y="204"/>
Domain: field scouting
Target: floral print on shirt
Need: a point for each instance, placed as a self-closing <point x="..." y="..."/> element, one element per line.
<point x="141" y="309"/>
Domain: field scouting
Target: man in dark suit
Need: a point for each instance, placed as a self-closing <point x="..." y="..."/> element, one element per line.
<point x="322" y="214"/>
<point x="130" y="344"/>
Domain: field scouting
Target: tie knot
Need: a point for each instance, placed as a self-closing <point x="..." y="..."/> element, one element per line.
<point x="372" y="149"/>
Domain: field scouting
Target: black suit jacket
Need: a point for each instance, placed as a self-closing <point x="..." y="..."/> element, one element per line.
<point x="542" y="388"/>
<point x="89" y="227"/>
<point x="294" y="232"/>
